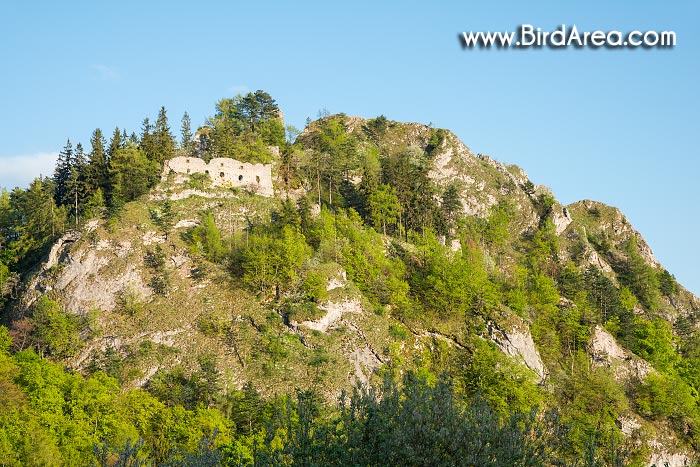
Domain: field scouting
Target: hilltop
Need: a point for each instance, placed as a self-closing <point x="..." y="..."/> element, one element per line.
<point x="382" y="249"/>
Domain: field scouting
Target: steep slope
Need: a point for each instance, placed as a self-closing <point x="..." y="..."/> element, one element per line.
<point x="539" y="327"/>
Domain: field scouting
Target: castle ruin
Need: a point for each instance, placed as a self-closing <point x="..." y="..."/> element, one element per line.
<point x="225" y="172"/>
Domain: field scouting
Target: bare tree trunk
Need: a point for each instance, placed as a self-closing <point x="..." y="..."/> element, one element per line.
<point x="76" y="208"/>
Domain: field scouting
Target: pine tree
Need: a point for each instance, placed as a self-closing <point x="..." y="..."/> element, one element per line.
<point x="186" y="132"/>
<point x="62" y="174"/>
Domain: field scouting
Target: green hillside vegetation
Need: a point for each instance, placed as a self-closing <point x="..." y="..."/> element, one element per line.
<point x="356" y="318"/>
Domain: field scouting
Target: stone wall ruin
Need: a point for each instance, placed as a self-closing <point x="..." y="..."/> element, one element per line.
<point x="225" y="172"/>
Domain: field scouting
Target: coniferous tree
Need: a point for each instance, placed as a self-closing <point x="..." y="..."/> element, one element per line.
<point x="116" y="143"/>
<point x="451" y="206"/>
<point x="131" y="175"/>
<point x="370" y="182"/>
<point x="76" y="187"/>
<point x="38" y="219"/>
<point x="164" y="140"/>
<point x="62" y="174"/>
<point x="96" y="170"/>
<point x="147" y="143"/>
<point x="186" y="132"/>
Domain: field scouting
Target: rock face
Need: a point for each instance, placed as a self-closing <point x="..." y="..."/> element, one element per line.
<point x="334" y="313"/>
<point x="225" y="172"/>
<point x="518" y="343"/>
<point x="561" y="220"/>
<point x="604" y="347"/>
<point x="85" y="276"/>
<point x="605" y="350"/>
<point x="666" y="459"/>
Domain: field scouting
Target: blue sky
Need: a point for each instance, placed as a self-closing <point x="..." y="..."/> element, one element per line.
<point x="619" y="126"/>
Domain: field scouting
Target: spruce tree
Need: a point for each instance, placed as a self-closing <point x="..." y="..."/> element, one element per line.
<point x="96" y="176"/>
<point x="164" y="140"/>
<point x="186" y="132"/>
<point x="62" y="174"/>
<point x="147" y="144"/>
<point x="116" y="143"/>
<point x="76" y="186"/>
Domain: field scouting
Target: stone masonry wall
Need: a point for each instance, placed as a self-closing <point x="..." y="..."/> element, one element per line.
<point x="226" y="172"/>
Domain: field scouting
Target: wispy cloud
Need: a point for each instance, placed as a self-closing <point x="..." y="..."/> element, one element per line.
<point x="238" y="89"/>
<point x="106" y="73"/>
<point x="20" y="170"/>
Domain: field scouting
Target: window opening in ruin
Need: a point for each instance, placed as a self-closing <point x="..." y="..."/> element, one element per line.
<point x="257" y="178"/>
<point x="221" y="174"/>
<point x="240" y="177"/>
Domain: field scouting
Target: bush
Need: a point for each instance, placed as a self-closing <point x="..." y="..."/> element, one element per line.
<point x="314" y="286"/>
<point x="55" y="332"/>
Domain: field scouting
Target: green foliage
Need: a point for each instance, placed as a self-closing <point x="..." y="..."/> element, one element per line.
<point x="415" y="424"/>
<point x="592" y="403"/>
<point x="205" y="239"/>
<point x="493" y="232"/>
<point x="161" y="143"/>
<point x="178" y="388"/>
<point x="543" y="205"/>
<point x="51" y="416"/>
<point x="55" y="332"/>
<point x="437" y="137"/>
<point x="543" y="255"/>
<point x="273" y="261"/>
<point x="398" y="332"/>
<point x="377" y="126"/>
<point x="641" y="278"/>
<point x="667" y="284"/>
<point x="130" y="301"/>
<point x="130" y="455"/>
<point x="199" y="181"/>
<point x="186" y="143"/>
<point x="160" y="278"/>
<point x="31" y="220"/>
<point x="655" y="343"/>
<point x="5" y="340"/>
<point x="314" y="286"/>
<point x="384" y="207"/>
<point x="452" y="284"/>
<point x="163" y="216"/>
<point x="508" y="386"/>
<point x="669" y="397"/>
<point x="451" y="206"/>
<point x="361" y="252"/>
<point x="131" y="174"/>
<point x="407" y="172"/>
<point x="244" y="126"/>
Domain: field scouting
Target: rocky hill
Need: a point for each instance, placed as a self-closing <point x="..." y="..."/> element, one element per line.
<point x="518" y="297"/>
